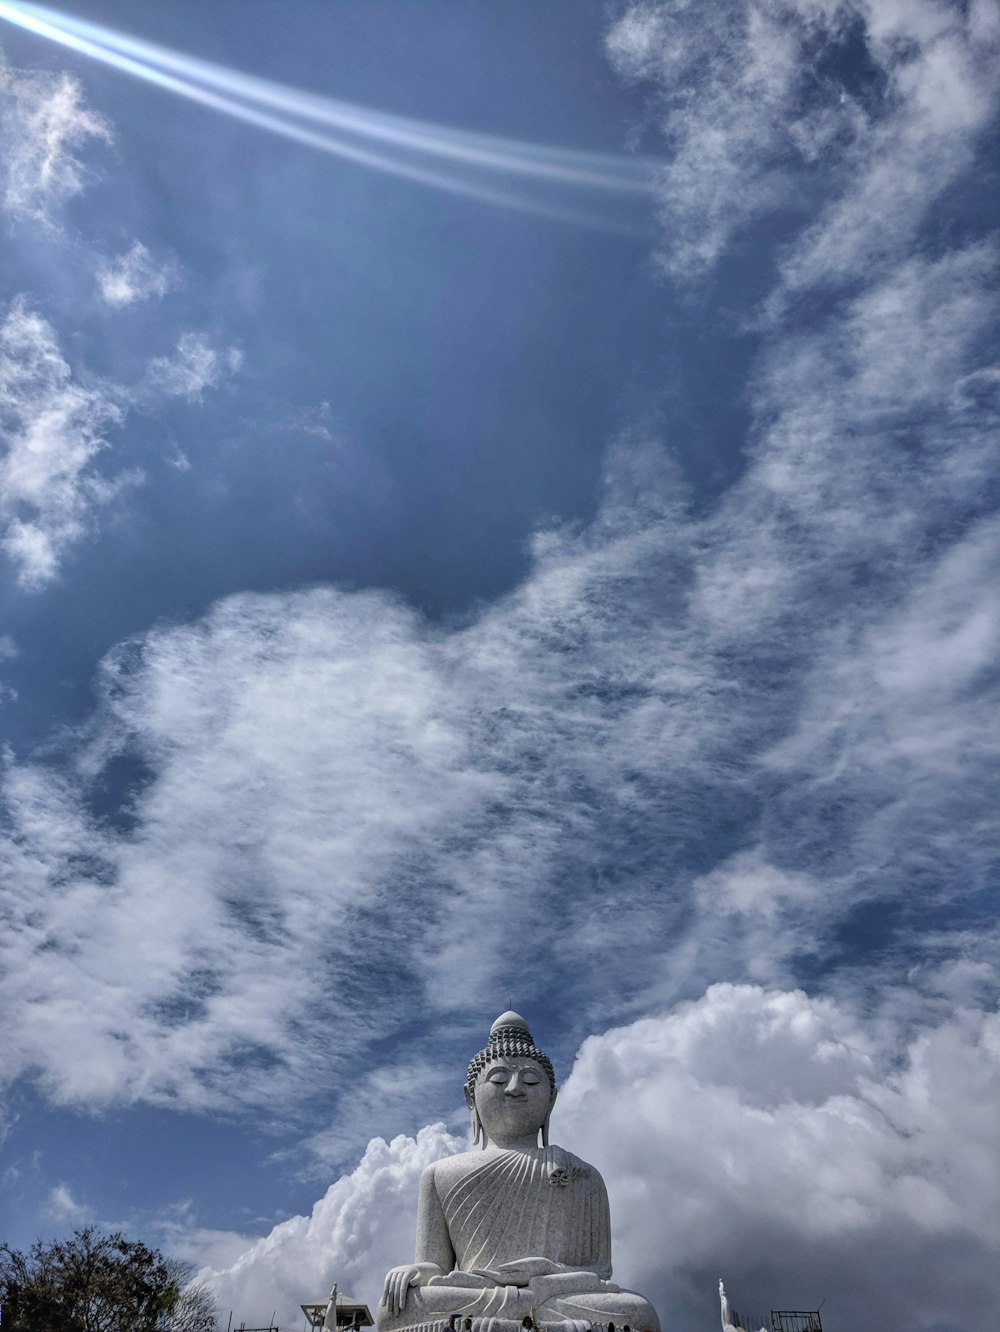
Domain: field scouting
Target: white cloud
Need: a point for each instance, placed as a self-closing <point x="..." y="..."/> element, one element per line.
<point x="43" y="122"/>
<point x="315" y="421"/>
<point x="705" y="741"/>
<point x="178" y="1233"/>
<point x="748" y="111"/>
<point x="330" y="778"/>
<point x="734" y="111"/>
<point x="311" y="842"/>
<point x="64" y="1208"/>
<point x="53" y="426"/>
<point x="763" y="1134"/>
<point x="194" y="366"/>
<point x="178" y="459"/>
<point x="780" y="1141"/>
<point x="53" y="423"/>
<point x="51" y="430"/>
<point x="942" y="94"/>
<point x="134" y="276"/>
<point x="355" y="1233"/>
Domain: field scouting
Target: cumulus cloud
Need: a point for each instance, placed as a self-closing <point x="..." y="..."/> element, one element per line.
<point x="43" y="124"/>
<point x="781" y="1141"/>
<point x="134" y="276"/>
<point x="761" y="1133"/>
<point x="363" y="1225"/>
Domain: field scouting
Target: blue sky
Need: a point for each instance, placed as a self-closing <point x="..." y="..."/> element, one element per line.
<point x="412" y="600"/>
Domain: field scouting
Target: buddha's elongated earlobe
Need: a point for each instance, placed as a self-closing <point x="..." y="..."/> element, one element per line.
<point x="477" y="1127"/>
<point x="478" y="1132"/>
<point x="545" y="1122"/>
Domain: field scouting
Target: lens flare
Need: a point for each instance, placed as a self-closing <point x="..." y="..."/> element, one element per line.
<point x="368" y="138"/>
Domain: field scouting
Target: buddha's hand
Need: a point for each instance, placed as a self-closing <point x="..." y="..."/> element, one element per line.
<point x="521" y="1271"/>
<point x="399" y="1281"/>
<point x="476" y="1280"/>
<point x="563" y="1282"/>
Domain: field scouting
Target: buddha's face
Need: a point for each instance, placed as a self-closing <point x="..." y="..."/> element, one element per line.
<point x="513" y="1096"/>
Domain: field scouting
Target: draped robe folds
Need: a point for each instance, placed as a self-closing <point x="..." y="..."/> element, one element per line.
<point x="521" y="1204"/>
<point x="502" y="1206"/>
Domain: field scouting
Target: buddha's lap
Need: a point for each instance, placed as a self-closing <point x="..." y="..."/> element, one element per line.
<point x="431" y="1304"/>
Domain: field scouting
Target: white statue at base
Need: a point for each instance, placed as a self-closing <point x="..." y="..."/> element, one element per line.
<point x="516" y="1234"/>
<point x="728" y="1325"/>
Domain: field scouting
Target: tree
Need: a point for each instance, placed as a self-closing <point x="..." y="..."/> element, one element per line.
<point x="100" y="1283"/>
<point x="195" y="1310"/>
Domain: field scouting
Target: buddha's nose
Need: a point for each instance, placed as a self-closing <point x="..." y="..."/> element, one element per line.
<point x="514" y="1087"/>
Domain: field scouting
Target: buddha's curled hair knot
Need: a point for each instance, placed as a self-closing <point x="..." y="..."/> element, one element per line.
<point x="509" y="1040"/>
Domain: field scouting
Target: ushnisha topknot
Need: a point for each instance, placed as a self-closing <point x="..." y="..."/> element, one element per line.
<point x="509" y="1037"/>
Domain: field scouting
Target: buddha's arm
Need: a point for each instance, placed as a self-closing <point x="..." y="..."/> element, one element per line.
<point x="434" y="1254"/>
<point x="434" y="1248"/>
<point x="601" y="1260"/>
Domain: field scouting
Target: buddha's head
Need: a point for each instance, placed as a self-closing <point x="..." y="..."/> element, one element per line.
<point x="511" y="1087"/>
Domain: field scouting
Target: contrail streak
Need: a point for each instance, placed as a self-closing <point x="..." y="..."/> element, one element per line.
<point x="243" y="96"/>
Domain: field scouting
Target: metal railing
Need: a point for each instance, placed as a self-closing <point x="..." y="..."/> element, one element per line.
<point x="780" y="1320"/>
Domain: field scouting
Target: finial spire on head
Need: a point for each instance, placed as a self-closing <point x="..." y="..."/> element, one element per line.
<point x="510" y="1021"/>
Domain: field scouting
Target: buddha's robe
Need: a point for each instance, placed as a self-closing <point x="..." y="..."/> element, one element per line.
<point x="504" y="1206"/>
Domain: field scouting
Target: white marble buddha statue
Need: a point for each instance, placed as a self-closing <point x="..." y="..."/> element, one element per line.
<point x="516" y="1233"/>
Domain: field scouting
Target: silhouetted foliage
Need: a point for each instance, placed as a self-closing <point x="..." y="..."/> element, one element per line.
<point x="100" y="1283"/>
<point x="195" y="1310"/>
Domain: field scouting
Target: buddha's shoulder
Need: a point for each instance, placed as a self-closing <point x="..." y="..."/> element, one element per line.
<point x="563" y="1154"/>
<point x="578" y="1167"/>
<point x="450" y="1169"/>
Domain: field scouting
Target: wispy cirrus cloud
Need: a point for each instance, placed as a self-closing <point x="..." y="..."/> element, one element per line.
<point x="329" y="776"/>
<point x="693" y="744"/>
<point x="134" y="276"/>
<point x="810" y="656"/>
<point x="43" y="122"/>
<point x="194" y="366"/>
<point x="55" y="417"/>
<point x="753" y="98"/>
<point x="51" y="428"/>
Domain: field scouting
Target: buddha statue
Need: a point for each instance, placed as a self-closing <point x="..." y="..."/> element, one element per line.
<point x="516" y="1234"/>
